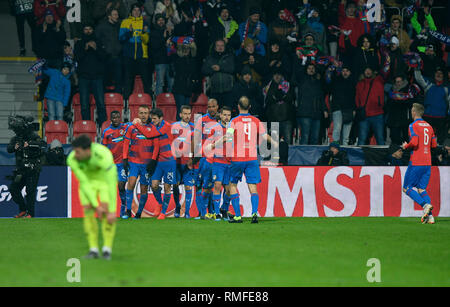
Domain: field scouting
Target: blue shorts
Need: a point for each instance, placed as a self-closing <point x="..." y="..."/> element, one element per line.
<point x="221" y="173"/>
<point x="140" y="170"/>
<point x="206" y="175"/>
<point x="248" y="168"/>
<point x="166" y="171"/>
<point x="121" y="174"/>
<point x="417" y="177"/>
<point x="186" y="176"/>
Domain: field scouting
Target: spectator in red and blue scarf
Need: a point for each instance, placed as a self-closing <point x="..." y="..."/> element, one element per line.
<point x="255" y="29"/>
<point x="311" y="23"/>
<point x="279" y="101"/>
<point x="283" y="26"/>
<point x="400" y="100"/>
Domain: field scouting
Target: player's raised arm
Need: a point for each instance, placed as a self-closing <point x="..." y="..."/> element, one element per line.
<point x="148" y="132"/>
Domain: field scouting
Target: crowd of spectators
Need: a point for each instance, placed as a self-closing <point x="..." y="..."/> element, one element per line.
<point x="305" y="64"/>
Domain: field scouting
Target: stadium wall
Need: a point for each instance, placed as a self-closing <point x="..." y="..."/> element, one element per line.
<point x="284" y="192"/>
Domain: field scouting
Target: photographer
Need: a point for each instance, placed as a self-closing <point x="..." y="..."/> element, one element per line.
<point x="334" y="156"/>
<point x="28" y="148"/>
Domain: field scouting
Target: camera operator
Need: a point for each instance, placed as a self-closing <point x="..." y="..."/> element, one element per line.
<point x="28" y="148"/>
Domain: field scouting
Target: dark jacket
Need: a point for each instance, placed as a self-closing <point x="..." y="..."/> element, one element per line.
<point x="108" y="36"/>
<point x="258" y="68"/>
<point x="157" y="45"/>
<point x="187" y="77"/>
<point x="311" y="96"/>
<point x="279" y="105"/>
<point x="342" y="92"/>
<point x="282" y="59"/>
<point x="222" y="81"/>
<point x="253" y="92"/>
<point x="328" y="159"/>
<point x="91" y="63"/>
<point x="362" y="58"/>
<point x="217" y="31"/>
<point x="397" y="66"/>
<point x="399" y="110"/>
<point x="50" y="44"/>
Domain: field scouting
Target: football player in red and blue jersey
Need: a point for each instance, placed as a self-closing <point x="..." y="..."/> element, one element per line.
<point x="166" y="166"/>
<point x="113" y="137"/>
<point x="138" y="153"/>
<point x="246" y="133"/>
<point x="202" y="130"/>
<point x="182" y="132"/>
<point x="221" y="163"/>
<point x="422" y="139"/>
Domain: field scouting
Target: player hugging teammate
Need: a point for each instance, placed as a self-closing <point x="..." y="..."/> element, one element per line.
<point x="210" y="157"/>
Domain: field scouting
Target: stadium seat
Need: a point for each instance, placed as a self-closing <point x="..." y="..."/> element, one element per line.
<point x="113" y="99"/>
<point x="76" y="107"/>
<point x="199" y="106"/>
<point x="137" y="99"/>
<point x="85" y="127"/>
<point x="138" y="85"/>
<point x="56" y="130"/>
<point x="113" y="102"/>
<point x="166" y="102"/>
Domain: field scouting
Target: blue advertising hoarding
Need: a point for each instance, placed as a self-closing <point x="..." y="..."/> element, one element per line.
<point x="51" y="196"/>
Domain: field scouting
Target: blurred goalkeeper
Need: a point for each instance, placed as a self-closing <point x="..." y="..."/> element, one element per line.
<point x="94" y="167"/>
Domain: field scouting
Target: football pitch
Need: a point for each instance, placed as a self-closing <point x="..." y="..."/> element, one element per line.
<point x="275" y="252"/>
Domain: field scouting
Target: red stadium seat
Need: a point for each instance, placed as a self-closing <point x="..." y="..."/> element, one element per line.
<point x="76" y="107"/>
<point x="56" y="130"/>
<point x="85" y="127"/>
<point x="137" y="99"/>
<point x="113" y="99"/>
<point x="138" y="85"/>
<point x="200" y="106"/>
<point x="113" y="102"/>
<point x="166" y="102"/>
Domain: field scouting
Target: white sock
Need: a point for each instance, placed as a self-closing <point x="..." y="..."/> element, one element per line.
<point x="106" y="249"/>
<point x="94" y="249"/>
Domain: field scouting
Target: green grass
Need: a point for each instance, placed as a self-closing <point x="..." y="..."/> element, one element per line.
<point x="275" y="252"/>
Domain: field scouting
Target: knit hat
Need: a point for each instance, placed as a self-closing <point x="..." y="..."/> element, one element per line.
<point x="309" y="34"/>
<point x="246" y="71"/>
<point x="278" y="71"/>
<point x="48" y="12"/>
<point x="135" y="5"/>
<point x="66" y="65"/>
<point x="254" y="10"/>
<point x="335" y="145"/>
